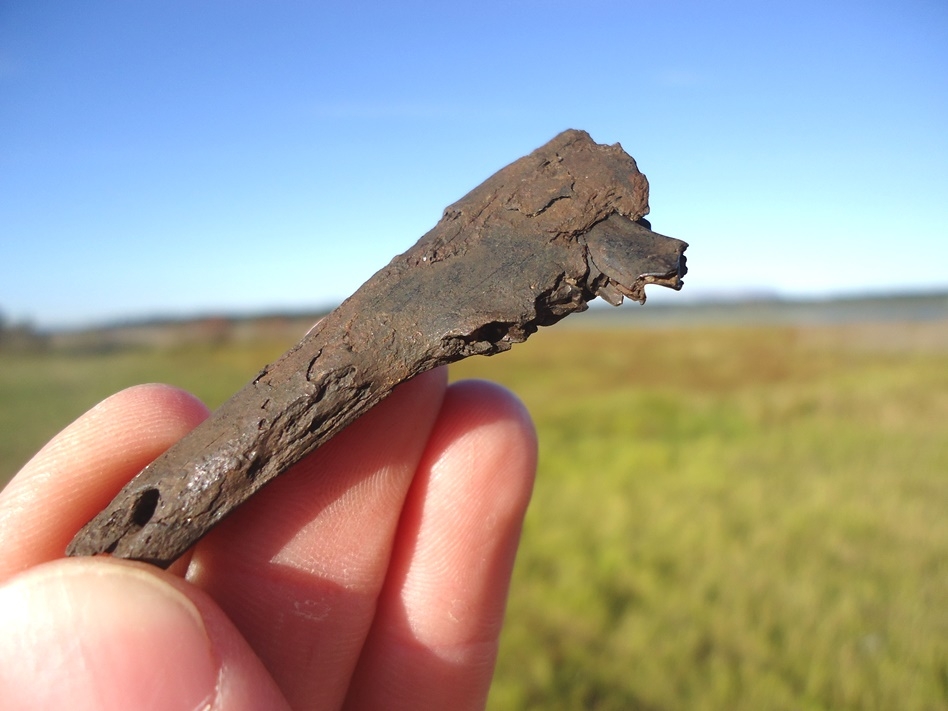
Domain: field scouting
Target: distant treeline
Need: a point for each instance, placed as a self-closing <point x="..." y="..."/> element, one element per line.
<point x="163" y="333"/>
<point x="20" y="336"/>
<point x="931" y="306"/>
<point x="290" y="326"/>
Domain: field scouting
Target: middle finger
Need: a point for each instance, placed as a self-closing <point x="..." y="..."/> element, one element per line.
<point x="299" y="567"/>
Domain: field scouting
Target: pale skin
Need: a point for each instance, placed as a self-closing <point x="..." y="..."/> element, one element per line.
<point x="373" y="574"/>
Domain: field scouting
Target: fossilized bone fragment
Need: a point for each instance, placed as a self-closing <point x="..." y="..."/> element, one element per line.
<point x="527" y="247"/>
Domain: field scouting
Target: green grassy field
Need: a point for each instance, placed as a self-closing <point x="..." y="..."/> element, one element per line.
<point x="725" y="518"/>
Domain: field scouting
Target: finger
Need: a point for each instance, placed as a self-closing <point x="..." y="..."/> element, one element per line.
<point x="434" y="640"/>
<point x="299" y="567"/>
<point x="83" y="467"/>
<point x="106" y="634"/>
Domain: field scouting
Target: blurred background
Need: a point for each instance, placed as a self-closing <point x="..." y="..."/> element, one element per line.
<point x="176" y="158"/>
<point x="742" y="489"/>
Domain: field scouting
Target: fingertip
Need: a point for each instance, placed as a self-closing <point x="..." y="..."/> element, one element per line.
<point x="163" y="410"/>
<point x="105" y="634"/>
<point x="151" y="415"/>
<point x="486" y="429"/>
<point x="434" y="641"/>
<point x="481" y="467"/>
<point x="160" y="395"/>
<point x="486" y="403"/>
<point x="81" y="469"/>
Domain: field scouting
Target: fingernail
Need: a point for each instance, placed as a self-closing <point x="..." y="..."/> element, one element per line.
<point x="94" y="634"/>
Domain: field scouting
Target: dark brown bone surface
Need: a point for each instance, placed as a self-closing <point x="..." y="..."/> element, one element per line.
<point x="527" y="247"/>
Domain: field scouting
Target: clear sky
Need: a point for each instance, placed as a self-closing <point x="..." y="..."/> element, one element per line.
<point x="183" y="157"/>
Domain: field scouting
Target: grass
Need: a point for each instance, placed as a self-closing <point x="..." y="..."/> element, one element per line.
<point x="725" y="518"/>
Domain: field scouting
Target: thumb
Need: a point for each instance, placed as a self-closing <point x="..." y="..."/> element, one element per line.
<point x="102" y="634"/>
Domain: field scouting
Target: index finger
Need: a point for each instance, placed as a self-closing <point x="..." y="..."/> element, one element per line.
<point x="84" y="466"/>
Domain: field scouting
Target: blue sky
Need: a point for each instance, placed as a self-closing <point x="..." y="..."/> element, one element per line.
<point x="176" y="158"/>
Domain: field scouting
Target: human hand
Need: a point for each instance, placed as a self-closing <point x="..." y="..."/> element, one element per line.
<point x="372" y="575"/>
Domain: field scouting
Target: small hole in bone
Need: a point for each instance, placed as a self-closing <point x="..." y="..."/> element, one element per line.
<point x="145" y="507"/>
